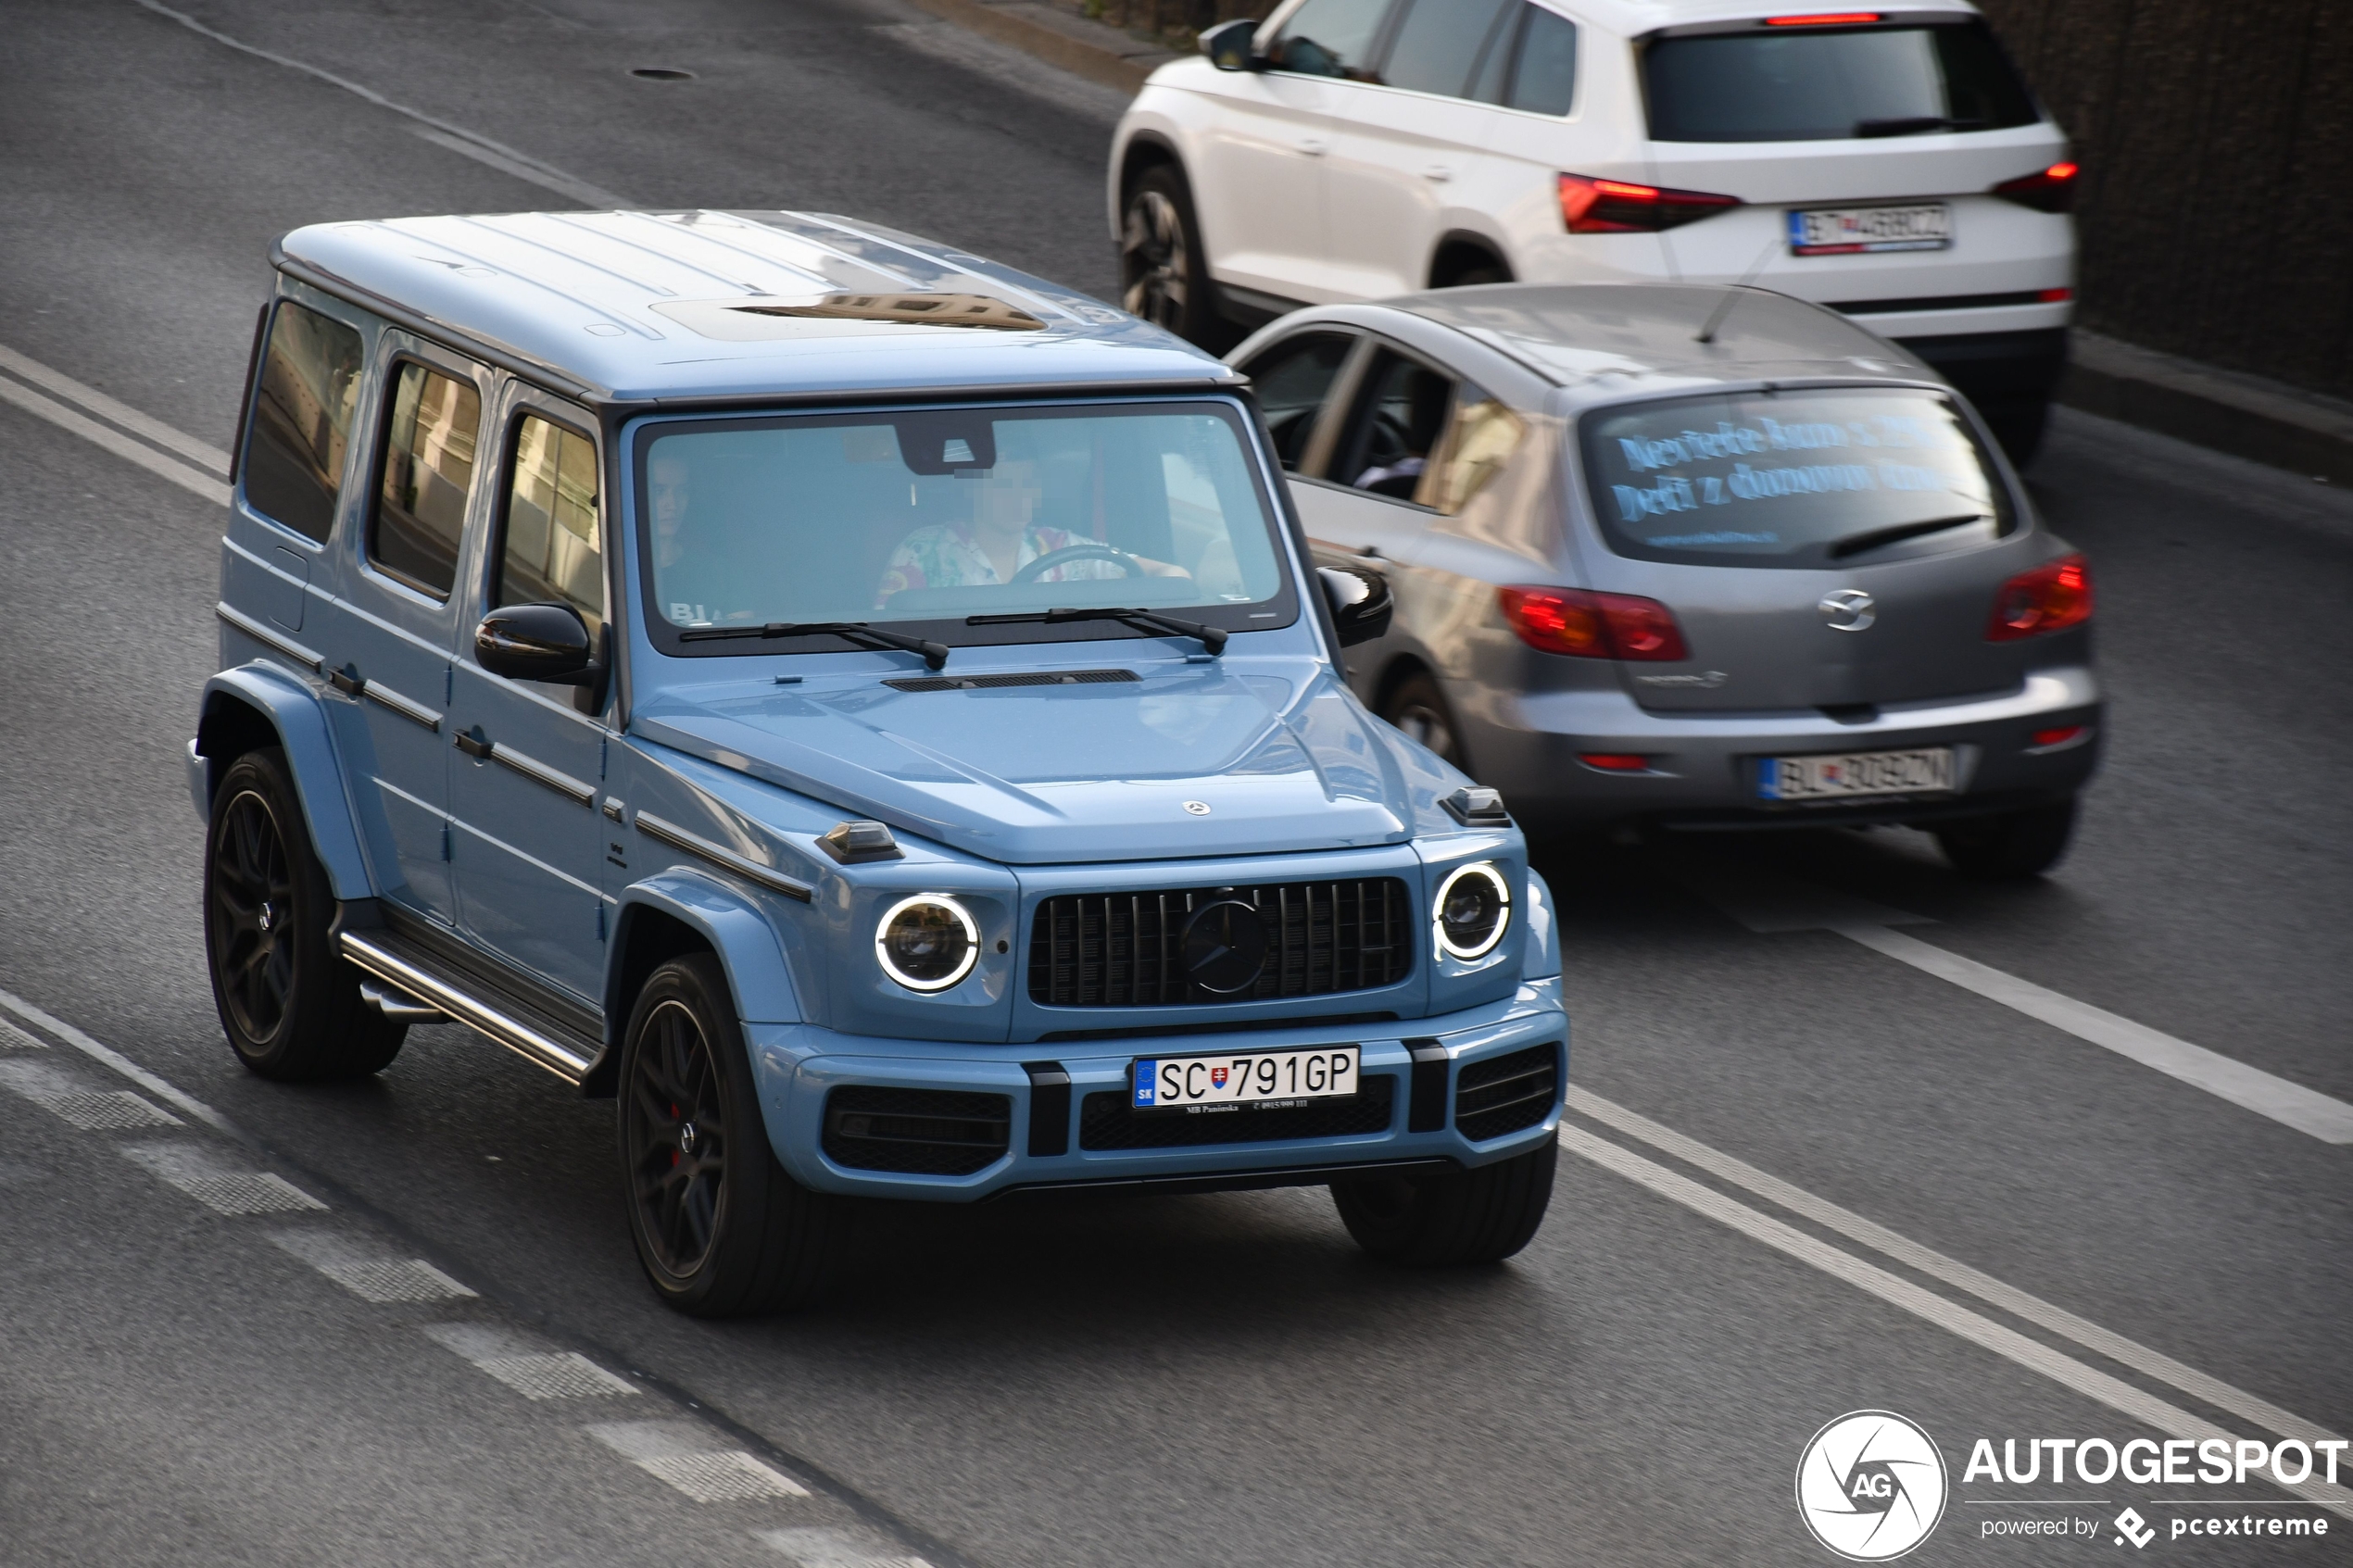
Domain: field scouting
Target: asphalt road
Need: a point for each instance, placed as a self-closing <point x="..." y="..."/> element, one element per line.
<point x="1095" y="1380"/>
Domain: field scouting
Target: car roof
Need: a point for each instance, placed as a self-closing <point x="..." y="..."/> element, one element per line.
<point x="1605" y="341"/>
<point x="1632" y="18"/>
<point x="689" y="306"/>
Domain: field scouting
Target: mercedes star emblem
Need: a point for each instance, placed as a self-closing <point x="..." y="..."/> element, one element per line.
<point x="1198" y="808"/>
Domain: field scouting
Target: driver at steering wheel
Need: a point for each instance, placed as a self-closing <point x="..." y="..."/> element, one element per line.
<point x="1000" y="539"/>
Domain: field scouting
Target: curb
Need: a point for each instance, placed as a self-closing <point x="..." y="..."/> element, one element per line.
<point x="2245" y="416"/>
<point x="1101" y="54"/>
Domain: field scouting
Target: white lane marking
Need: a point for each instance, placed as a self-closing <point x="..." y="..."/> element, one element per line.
<point x="219" y="1188"/>
<point x="460" y="140"/>
<point x="1786" y="905"/>
<point x="1923" y="1303"/>
<point x="114" y="440"/>
<point x="2150" y="1364"/>
<point x="526" y="1366"/>
<point x="93" y="1111"/>
<point x="121" y="413"/>
<point x="2251" y="1088"/>
<point x="680" y="1453"/>
<point x="368" y="1273"/>
<point x="59" y="1029"/>
<point x="816" y="1548"/>
<point x="14" y="1039"/>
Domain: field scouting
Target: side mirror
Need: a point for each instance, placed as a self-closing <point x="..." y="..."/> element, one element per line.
<point x="1229" y="45"/>
<point x="1360" y="602"/>
<point x="538" y="643"/>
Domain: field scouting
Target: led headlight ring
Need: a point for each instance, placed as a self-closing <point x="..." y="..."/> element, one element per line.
<point x="926" y="943"/>
<point x="1472" y="910"/>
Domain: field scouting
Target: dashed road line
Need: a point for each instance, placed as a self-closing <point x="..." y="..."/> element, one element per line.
<point x="812" y="1546"/>
<point x="58" y="383"/>
<point x="679" y="1452"/>
<point x="107" y="1055"/>
<point x="366" y="1273"/>
<point x="219" y="1187"/>
<point x="98" y="1110"/>
<point x="1787" y="905"/>
<point x="14" y="1039"/>
<point x="1955" y="1319"/>
<point x="530" y="1369"/>
<point x="114" y="440"/>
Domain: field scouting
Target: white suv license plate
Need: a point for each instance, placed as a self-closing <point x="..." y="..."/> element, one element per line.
<point x="1847" y="231"/>
<point x="1855" y="773"/>
<point x="1242" y="1081"/>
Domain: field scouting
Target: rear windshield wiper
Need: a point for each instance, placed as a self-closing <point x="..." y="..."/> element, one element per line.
<point x="1856" y="544"/>
<point x="1211" y="637"/>
<point x="935" y="654"/>
<point x="1913" y="125"/>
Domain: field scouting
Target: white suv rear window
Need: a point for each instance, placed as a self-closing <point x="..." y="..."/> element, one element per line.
<point x="1817" y="84"/>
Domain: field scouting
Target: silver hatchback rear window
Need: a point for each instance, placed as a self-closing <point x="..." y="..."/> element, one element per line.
<point x="1800" y="477"/>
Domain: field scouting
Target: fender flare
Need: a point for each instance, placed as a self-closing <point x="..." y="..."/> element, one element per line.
<point x="1540" y="960"/>
<point x="293" y="710"/>
<point x="748" y="946"/>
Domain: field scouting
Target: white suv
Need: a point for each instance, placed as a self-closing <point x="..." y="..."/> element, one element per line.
<point x="1892" y="165"/>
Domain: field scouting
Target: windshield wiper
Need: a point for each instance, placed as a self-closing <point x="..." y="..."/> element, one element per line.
<point x="935" y="654"/>
<point x="1211" y="637"/>
<point x="1856" y="544"/>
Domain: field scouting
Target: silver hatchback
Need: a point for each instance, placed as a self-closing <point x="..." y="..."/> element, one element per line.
<point x="1693" y="557"/>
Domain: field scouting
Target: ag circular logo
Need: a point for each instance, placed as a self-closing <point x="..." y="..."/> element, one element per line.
<point x="1870" y="1486"/>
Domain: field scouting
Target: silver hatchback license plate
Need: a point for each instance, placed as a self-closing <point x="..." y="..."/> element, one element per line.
<point x="1855" y="773"/>
<point x="1847" y="231"/>
<point x="1243" y="1080"/>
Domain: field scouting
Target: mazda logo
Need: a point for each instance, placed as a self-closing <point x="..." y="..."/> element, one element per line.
<point x="1225" y="947"/>
<point x="1848" y="609"/>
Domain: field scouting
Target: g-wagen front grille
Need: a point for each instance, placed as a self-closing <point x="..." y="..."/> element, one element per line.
<point x="1126" y="949"/>
<point x="923" y="1131"/>
<point x="1506" y="1093"/>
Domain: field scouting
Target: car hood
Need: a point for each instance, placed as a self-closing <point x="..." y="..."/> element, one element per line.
<point x="1203" y="759"/>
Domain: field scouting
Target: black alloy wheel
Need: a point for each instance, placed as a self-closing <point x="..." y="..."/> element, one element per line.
<point x="289" y="1003"/>
<point x="1164" y="273"/>
<point x="721" y="1229"/>
<point x="1420" y="709"/>
<point x="1451" y="1218"/>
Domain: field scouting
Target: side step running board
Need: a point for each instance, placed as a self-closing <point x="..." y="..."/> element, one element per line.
<point x="532" y="1042"/>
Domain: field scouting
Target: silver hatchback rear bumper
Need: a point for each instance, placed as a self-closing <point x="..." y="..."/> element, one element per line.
<point x="1700" y="768"/>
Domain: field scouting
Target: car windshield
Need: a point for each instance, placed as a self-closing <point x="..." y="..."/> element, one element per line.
<point x="1804" y="477"/>
<point x="922" y="520"/>
<point x="1810" y="84"/>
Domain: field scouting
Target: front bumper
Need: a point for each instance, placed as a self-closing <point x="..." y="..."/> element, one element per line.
<point x="1702" y="766"/>
<point x="799" y="1065"/>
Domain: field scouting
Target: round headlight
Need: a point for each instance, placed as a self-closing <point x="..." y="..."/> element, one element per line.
<point x="927" y="943"/>
<point x="1474" y="908"/>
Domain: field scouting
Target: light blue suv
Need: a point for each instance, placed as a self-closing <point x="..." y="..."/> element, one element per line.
<point x="871" y="711"/>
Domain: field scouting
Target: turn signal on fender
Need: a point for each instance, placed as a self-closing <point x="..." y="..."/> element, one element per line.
<point x="2050" y="598"/>
<point x="1617" y="207"/>
<point x="1589" y="625"/>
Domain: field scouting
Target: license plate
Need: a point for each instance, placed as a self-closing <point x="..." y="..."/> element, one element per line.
<point x="1844" y="230"/>
<point x="1243" y="1080"/>
<point x="1854" y="772"/>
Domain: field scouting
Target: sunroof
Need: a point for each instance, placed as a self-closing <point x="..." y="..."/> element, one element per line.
<point x="914" y="309"/>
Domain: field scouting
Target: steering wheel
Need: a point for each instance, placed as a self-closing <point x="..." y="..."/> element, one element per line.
<point x="1069" y="553"/>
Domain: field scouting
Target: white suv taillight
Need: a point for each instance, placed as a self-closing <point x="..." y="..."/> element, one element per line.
<point x="1616" y="206"/>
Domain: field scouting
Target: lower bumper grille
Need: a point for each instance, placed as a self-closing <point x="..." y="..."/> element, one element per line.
<point x="917" y="1132"/>
<point x="1105" y="1122"/>
<point x="1507" y="1094"/>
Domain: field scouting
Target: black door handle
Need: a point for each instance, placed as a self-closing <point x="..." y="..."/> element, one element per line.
<point x="474" y="743"/>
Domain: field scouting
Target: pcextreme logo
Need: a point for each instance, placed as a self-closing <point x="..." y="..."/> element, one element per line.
<point x="1870" y="1486"/>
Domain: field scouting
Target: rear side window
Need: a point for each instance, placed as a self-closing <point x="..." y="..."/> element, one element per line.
<point x="1440" y="42"/>
<point x="1291" y="379"/>
<point x="1330" y="38"/>
<point x="308" y="384"/>
<point x="552" y="553"/>
<point x="1810" y="477"/>
<point x="428" y="473"/>
<point x="1824" y="84"/>
<point x="1544" y="73"/>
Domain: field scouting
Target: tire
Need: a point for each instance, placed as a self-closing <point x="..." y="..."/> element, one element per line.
<point x="1452" y="1219"/>
<point x="719" y="1227"/>
<point x="1164" y="272"/>
<point x="2008" y="846"/>
<point x="289" y="1003"/>
<point x="1420" y="708"/>
<point x="1472" y="277"/>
